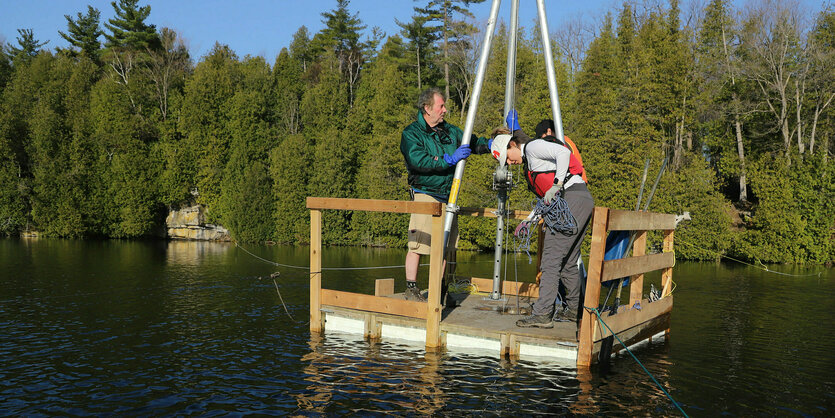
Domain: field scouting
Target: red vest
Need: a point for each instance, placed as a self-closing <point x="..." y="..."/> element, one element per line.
<point x="540" y="181"/>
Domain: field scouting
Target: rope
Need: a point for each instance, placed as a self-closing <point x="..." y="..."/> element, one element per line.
<point x="324" y="268"/>
<point x="761" y="266"/>
<point x="556" y="216"/>
<point x="599" y="318"/>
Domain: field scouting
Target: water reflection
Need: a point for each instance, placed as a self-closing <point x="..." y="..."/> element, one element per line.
<point x="193" y="253"/>
<point x="379" y="378"/>
<point x="156" y="328"/>
<point x="385" y="377"/>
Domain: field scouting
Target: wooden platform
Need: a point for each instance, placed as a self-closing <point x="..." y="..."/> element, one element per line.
<point x="482" y="326"/>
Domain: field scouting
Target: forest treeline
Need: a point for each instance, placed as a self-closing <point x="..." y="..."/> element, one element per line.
<point x="103" y="138"/>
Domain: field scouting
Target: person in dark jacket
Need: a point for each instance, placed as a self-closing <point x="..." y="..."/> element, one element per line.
<point x="431" y="148"/>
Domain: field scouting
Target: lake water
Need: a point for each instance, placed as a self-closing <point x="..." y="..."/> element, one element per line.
<point x="158" y="328"/>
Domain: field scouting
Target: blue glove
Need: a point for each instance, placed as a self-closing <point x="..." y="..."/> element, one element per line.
<point x="490" y="144"/>
<point x="513" y="120"/>
<point x="461" y="153"/>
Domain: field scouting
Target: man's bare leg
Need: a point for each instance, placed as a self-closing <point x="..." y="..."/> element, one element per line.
<point x="412" y="263"/>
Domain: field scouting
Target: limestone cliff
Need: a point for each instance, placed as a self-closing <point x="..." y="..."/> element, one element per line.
<point x="190" y="223"/>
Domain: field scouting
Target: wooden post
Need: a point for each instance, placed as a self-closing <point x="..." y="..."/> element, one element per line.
<point x="433" y="300"/>
<point x="636" y="283"/>
<point x="667" y="273"/>
<point x="315" y="271"/>
<point x="383" y="287"/>
<point x="588" y="319"/>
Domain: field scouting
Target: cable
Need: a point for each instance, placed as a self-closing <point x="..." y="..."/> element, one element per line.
<point x="761" y="266"/>
<point x="599" y="318"/>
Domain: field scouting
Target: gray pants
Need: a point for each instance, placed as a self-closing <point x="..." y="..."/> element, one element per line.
<point x="560" y="253"/>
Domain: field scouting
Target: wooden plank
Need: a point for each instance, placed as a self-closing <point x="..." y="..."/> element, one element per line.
<point x="372" y="205"/>
<point x="508" y="287"/>
<point x="636" y="282"/>
<point x="491" y="213"/>
<point x="667" y="274"/>
<point x="315" y="270"/>
<point x="639" y="333"/>
<point x="371" y="303"/>
<point x="592" y="298"/>
<point x="615" y="269"/>
<point x="383" y="287"/>
<point x="627" y="220"/>
<point x="433" y="299"/>
<point x="631" y="318"/>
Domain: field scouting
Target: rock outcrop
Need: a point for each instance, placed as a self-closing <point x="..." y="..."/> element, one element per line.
<point x="190" y="223"/>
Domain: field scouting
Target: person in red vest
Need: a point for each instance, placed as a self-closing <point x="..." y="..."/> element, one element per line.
<point x="551" y="168"/>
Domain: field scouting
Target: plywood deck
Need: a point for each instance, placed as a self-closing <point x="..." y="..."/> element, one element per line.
<point x="481" y="316"/>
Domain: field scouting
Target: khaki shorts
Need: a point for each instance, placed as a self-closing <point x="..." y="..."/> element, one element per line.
<point x="420" y="229"/>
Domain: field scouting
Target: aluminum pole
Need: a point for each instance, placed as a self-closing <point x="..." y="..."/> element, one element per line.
<point x="549" y="65"/>
<point x="452" y="208"/>
<point x="502" y="172"/>
<point x="510" y="79"/>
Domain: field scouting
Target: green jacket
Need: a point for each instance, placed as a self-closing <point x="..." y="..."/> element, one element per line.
<point x="423" y="148"/>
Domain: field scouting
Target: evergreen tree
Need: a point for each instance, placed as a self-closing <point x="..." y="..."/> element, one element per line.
<point x="342" y="36"/>
<point x="721" y="94"/>
<point x="128" y="30"/>
<point x="383" y="108"/>
<point x="84" y="32"/>
<point x="203" y="123"/>
<point x="422" y="40"/>
<point x="27" y="47"/>
<point x="300" y="48"/>
<point x="290" y="169"/>
<point x="246" y="205"/>
<point x="450" y="30"/>
<point x="5" y="66"/>
<point x="124" y="190"/>
<point x="289" y="87"/>
<point x="323" y="111"/>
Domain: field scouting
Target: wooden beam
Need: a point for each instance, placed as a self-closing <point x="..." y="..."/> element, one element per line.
<point x="639" y="333"/>
<point x="491" y="213"/>
<point x="372" y="205"/>
<point x="615" y="269"/>
<point x="383" y="287"/>
<point x="631" y="318"/>
<point x="636" y="282"/>
<point x="433" y="299"/>
<point x="315" y="271"/>
<point x="627" y="220"/>
<point x="371" y="303"/>
<point x="667" y="274"/>
<point x="508" y="287"/>
<point x="592" y="298"/>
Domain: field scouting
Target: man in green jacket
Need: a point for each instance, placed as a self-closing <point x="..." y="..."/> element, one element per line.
<point x="431" y="148"/>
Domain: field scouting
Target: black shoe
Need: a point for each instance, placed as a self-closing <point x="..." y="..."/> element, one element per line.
<point x="413" y="294"/>
<point x="538" y="321"/>
<point x="566" y="315"/>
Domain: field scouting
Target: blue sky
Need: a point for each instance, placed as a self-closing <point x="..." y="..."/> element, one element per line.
<point x="255" y="27"/>
<point x="263" y="27"/>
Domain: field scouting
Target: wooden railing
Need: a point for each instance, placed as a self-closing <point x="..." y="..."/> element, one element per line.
<point x="430" y="311"/>
<point x="631" y="320"/>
